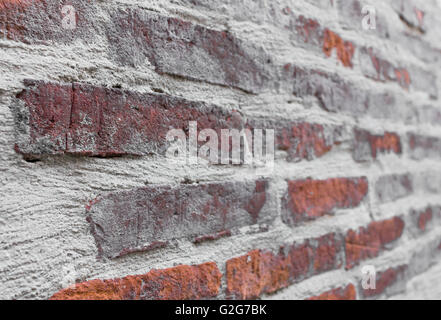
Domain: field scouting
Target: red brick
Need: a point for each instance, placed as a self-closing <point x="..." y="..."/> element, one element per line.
<point x="385" y="70"/>
<point x="368" y="146"/>
<point x="173" y="46"/>
<point x="96" y="121"/>
<point x="145" y="218"/>
<point x="263" y="272"/>
<point x="185" y="49"/>
<point x="310" y="199"/>
<point x="178" y="283"/>
<point x="384" y="280"/>
<point x="345" y="49"/>
<point x="309" y="33"/>
<point x="346" y="293"/>
<point x="424" y="218"/>
<point x="393" y="187"/>
<point x="40" y="21"/>
<point x="368" y="242"/>
<point x="306" y="140"/>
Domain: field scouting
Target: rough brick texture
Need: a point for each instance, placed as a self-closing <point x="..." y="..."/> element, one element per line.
<point x="310" y="199"/>
<point x="177" y="283"/>
<point x="346" y="293"/>
<point x="368" y="241"/>
<point x="94" y="207"/>
<point x="149" y="217"/>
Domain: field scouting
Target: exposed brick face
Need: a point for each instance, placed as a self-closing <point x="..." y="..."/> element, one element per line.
<point x="311" y="199"/>
<point x="264" y="272"/>
<point x="342" y="293"/>
<point x="424" y="218"/>
<point x="306" y="140"/>
<point x="177" y="283"/>
<point x="172" y="46"/>
<point x="369" y="146"/>
<point x="368" y="242"/>
<point x="96" y="121"/>
<point x="149" y="217"/>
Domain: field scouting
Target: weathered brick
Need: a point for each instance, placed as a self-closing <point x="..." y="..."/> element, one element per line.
<point x="384" y="280"/>
<point x="367" y="145"/>
<point x="335" y="93"/>
<point x="368" y="242"/>
<point x="308" y="33"/>
<point x="424" y="218"/>
<point x="310" y="199"/>
<point x="148" y="217"/>
<point x="341" y="293"/>
<point x="178" y="283"/>
<point x="182" y="48"/>
<point x="306" y="140"/>
<point x="381" y="69"/>
<point x="393" y="187"/>
<point x="97" y="121"/>
<point x="41" y="21"/>
<point x="424" y="147"/>
<point x="264" y="272"/>
<point x="345" y="49"/>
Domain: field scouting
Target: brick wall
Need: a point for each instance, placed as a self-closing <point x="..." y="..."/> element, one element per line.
<point x="91" y="207"/>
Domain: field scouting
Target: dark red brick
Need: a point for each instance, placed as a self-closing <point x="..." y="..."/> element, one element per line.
<point x="368" y="242"/>
<point x="96" y="121"/>
<point x="310" y="199"/>
<point x="185" y="49"/>
<point x="40" y="21"/>
<point x="145" y="218"/>
<point x="178" y="283"/>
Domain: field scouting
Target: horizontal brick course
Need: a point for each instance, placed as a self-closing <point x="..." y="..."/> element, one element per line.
<point x="310" y="199"/>
<point x="264" y="272"/>
<point x="90" y="120"/>
<point x="177" y="283"/>
<point x="368" y="146"/>
<point x="368" y="242"/>
<point x="147" y="218"/>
